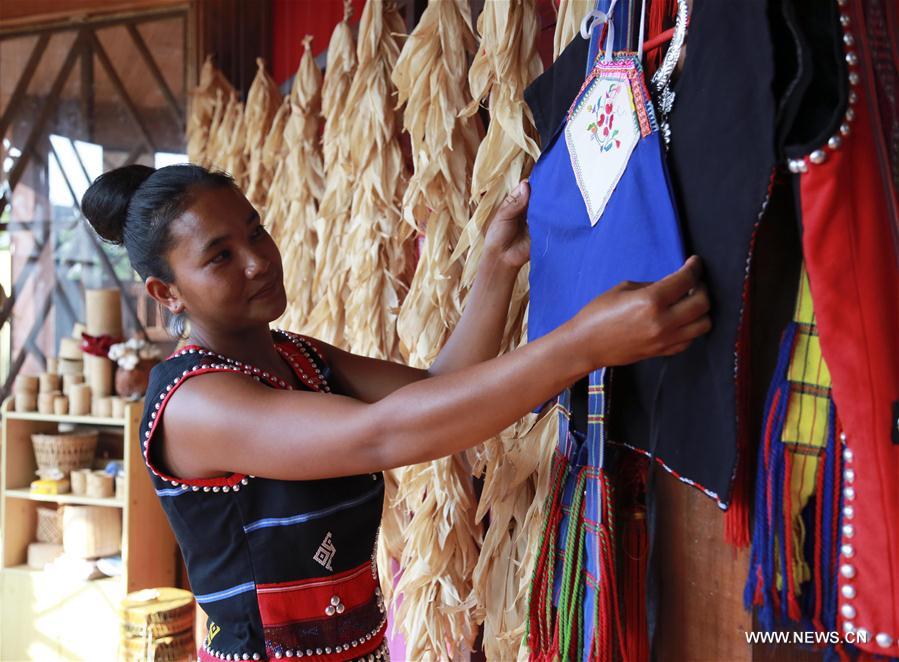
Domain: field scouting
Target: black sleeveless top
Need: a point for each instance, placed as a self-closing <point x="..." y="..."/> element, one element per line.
<point x="282" y="568"/>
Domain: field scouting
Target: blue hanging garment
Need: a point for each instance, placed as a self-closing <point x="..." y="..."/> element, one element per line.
<point x="601" y="211"/>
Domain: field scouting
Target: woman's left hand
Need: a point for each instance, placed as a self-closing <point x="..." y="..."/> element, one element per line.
<point x="507" y="235"/>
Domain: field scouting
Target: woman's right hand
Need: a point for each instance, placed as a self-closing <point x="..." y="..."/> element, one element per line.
<point x="636" y="321"/>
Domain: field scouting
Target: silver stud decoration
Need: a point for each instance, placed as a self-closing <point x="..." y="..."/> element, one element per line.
<point x="848" y="627"/>
<point x="849" y="493"/>
<point x="848" y="591"/>
<point x="847" y="570"/>
<point x="849" y="475"/>
<point x="883" y="640"/>
<point x="848" y="530"/>
<point x="848" y="611"/>
<point x="848" y="512"/>
<point x="819" y="156"/>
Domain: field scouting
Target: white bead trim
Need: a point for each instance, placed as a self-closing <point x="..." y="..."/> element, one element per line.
<point x="224" y="363"/>
<point x="848" y="571"/>
<point x="818" y="156"/>
<point x="230" y="656"/>
<point x="299" y="652"/>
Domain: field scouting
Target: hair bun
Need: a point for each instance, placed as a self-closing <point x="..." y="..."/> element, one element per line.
<point x="105" y="203"/>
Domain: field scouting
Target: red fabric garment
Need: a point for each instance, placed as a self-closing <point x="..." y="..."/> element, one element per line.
<point x="854" y="277"/>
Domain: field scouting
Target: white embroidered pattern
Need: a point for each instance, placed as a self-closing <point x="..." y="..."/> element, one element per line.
<point x="325" y="552"/>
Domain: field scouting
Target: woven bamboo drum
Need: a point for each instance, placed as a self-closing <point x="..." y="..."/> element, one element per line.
<point x="175" y="648"/>
<point x="158" y="624"/>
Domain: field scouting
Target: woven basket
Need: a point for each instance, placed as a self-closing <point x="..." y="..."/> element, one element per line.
<point x="65" y="452"/>
<point x="49" y="525"/>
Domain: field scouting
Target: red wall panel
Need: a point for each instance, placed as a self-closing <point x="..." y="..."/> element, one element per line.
<point x="293" y="19"/>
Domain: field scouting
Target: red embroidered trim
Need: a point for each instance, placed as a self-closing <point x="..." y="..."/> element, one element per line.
<point x="288" y="602"/>
<point x="234" y="480"/>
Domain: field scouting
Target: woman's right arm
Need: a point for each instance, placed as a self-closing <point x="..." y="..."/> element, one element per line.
<point x="227" y="423"/>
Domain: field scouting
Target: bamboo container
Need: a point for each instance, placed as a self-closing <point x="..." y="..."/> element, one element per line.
<point x="60" y="405"/>
<point x="49" y="382"/>
<point x="103" y="312"/>
<point x="71" y="367"/>
<point x="100" y="485"/>
<point x="118" y="407"/>
<point x="26" y="401"/>
<point x="99" y="372"/>
<point x="91" y="531"/>
<point x="46" y="401"/>
<point x="69" y="380"/>
<point x="102" y="407"/>
<point x="70" y="349"/>
<point x="80" y="400"/>
<point x="27" y="384"/>
<point x="78" y="480"/>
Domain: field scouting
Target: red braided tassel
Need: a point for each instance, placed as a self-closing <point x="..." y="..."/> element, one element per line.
<point x="541" y="646"/>
<point x="659" y="12"/>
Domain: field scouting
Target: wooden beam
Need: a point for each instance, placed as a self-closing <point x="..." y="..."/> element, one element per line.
<point x="87" y="88"/>
<point x="22" y="85"/>
<point x="117" y="85"/>
<point x="76" y="14"/>
<point x="50" y="104"/>
<point x="155" y="72"/>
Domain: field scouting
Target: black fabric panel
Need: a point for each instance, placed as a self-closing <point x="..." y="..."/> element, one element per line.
<point x="720" y="160"/>
<point x="552" y="93"/>
<point x="821" y="102"/>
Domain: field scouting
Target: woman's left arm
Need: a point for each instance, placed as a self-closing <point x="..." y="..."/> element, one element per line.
<point x="479" y="333"/>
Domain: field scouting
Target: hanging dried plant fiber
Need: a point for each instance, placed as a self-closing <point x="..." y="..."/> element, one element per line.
<point x="375" y="245"/>
<point x="210" y="94"/>
<point x="302" y="179"/>
<point x="568" y="22"/>
<point x="516" y="464"/>
<point x="441" y="539"/>
<point x="263" y="102"/>
<point x="326" y="320"/>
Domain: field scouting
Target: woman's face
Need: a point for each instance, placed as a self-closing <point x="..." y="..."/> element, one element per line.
<point x="227" y="268"/>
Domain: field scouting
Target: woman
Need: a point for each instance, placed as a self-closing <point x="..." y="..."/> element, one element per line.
<point x="269" y="467"/>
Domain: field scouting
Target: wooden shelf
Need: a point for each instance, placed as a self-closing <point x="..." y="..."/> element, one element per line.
<point x="26" y="570"/>
<point x="52" y="418"/>
<point x="41" y="613"/>
<point x="72" y="499"/>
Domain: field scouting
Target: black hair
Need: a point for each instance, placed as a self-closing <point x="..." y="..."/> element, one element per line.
<point x="135" y="205"/>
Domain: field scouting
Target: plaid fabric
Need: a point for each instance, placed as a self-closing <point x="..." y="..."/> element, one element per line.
<point x="807" y="424"/>
<point x="808" y="413"/>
